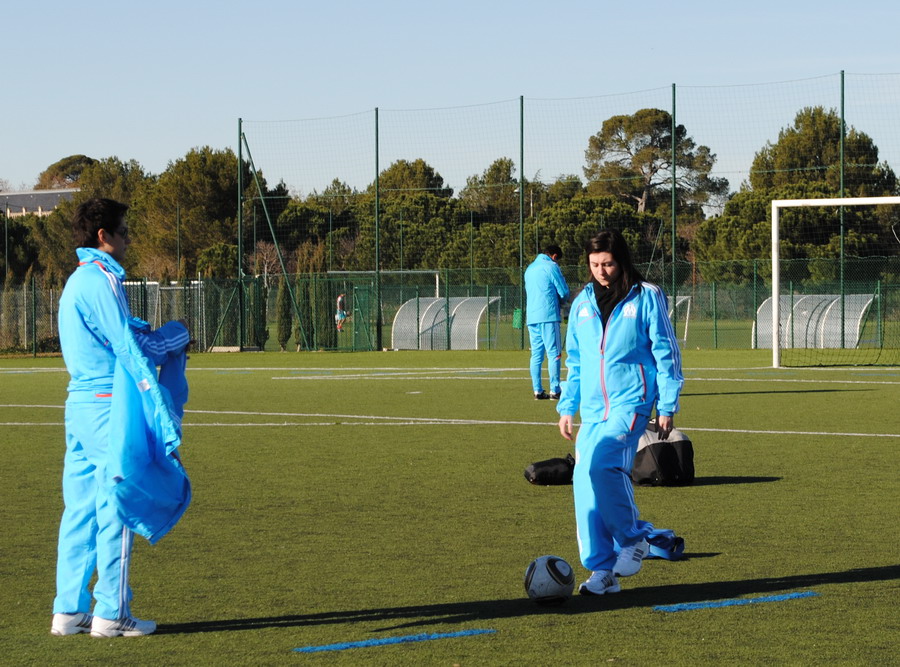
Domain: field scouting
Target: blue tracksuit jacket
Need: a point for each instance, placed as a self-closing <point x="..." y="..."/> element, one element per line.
<point x="546" y="289"/>
<point x="92" y="310"/>
<point x="633" y="363"/>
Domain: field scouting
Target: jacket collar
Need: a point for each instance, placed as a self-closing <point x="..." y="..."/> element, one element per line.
<point x="90" y="255"/>
<point x="589" y="290"/>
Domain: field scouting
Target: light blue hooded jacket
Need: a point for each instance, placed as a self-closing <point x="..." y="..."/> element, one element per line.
<point x="546" y="289"/>
<point x="632" y="364"/>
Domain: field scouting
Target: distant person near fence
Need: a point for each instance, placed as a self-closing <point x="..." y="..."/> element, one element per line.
<point x="546" y="290"/>
<point x="340" y="313"/>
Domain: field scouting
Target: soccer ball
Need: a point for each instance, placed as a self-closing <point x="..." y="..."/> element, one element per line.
<point x="549" y="580"/>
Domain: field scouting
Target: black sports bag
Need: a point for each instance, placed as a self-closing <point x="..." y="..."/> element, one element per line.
<point x="551" y="471"/>
<point x="667" y="462"/>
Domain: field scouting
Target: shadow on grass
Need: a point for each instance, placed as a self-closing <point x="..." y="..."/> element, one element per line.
<point x="777" y="391"/>
<point x="487" y="610"/>
<point x="729" y="479"/>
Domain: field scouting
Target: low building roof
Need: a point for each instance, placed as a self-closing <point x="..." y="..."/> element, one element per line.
<point x="33" y="201"/>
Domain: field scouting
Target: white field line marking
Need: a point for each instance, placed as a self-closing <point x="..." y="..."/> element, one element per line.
<point x="398" y="376"/>
<point x="408" y="420"/>
<point x="518" y="378"/>
<point x="245" y="424"/>
<point x="32" y="424"/>
<point x="393" y="373"/>
<point x="342" y="423"/>
<point x="381" y="420"/>
<point x="22" y="371"/>
<point x="769" y="432"/>
<point x="336" y="369"/>
<point x="421" y="421"/>
<point x="796" y="380"/>
<point x="372" y="370"/>
<point x="688" y="379"/>
<point x="267" y="369"/>
<point x="793" y="369"/>
<point x="19" y="405"/>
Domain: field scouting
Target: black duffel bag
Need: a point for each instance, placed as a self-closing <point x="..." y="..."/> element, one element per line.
<point x="668" y="462"/>
<point x="551" y="472"/>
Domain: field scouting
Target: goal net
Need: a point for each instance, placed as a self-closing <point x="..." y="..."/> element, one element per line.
<point x="835" y="283"/>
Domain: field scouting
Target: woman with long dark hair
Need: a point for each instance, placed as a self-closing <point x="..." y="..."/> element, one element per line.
<point x="623" y="361"/>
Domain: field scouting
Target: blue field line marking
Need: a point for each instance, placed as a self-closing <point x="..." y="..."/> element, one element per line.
<point x="342" y="646"/>
<point x="690" y="606"/>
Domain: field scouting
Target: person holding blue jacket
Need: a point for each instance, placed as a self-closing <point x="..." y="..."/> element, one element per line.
<point x="95" y="323"/>
<point x="622" y="360"/>
<point x="546" y="290"/>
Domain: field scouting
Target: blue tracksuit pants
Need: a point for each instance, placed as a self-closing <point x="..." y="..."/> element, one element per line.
<point x="91" y="536"/>
<point x="544" y="338"/>
<point x="605" y="511"/>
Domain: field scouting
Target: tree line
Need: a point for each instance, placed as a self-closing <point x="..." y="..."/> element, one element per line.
<point x="185" y="219"/>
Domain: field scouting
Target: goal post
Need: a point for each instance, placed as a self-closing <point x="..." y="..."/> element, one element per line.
<point x="777" y="205"/>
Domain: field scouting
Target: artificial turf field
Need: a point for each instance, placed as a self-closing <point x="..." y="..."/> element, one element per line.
<point x="344" y="498"/>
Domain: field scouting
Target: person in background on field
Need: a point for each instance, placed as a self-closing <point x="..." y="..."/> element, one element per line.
<point x="546" y="290"/>
<point x="340" y="313"/>
<point x="93" y="316"/>
<point x="623" y="360"/>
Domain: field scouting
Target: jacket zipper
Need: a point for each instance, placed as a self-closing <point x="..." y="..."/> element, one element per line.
<point x="603" y="363"/>
<point x="603" y="354"/>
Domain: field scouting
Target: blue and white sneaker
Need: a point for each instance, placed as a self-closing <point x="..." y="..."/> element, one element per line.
<point x="122" y="627"/>
<point x="70" y="624"/>
<point x="600" y="583"/>
<point x="631" y="558"/>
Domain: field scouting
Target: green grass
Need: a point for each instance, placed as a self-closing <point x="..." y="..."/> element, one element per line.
<point x="345" y="526"/>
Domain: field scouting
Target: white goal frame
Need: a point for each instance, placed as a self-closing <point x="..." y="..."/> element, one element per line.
<point x="777" y="205"/>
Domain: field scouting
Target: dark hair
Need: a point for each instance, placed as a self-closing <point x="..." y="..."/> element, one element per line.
<point x="611" y="241"/>
<point x="92" y="216"/>
<point x="552" y="249"/>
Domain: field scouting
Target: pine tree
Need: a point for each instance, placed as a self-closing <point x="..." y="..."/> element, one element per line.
<point x="284" y="313"/>
<point x="9" y="314"/>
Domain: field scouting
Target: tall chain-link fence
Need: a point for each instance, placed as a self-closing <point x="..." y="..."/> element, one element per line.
<point x="685" y="172"/>
<point x="401" y="211"/>
<point x="482" y="310"/>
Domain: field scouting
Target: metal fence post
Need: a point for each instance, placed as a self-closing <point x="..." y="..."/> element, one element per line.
<point x="755" y="308"/>
<point x="447" y="303"/>
<point x="674" y="290"/>
<point x="487" y="298"/>
<point x="377" y="243"/>
<point x="34" y="345"/>
<point x="522" y="213"/>
<point x="880" y="323"/>
<point x="715" y="314"/>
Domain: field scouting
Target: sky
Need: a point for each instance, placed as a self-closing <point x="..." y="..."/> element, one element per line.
<point x="150" y="81"/>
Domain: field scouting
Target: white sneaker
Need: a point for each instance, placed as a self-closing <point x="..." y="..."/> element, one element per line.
<point x="600" y="582"/>
<point x="630" y="559"/>
<point x="122" y="627"/>
<point x="70" y="624"/>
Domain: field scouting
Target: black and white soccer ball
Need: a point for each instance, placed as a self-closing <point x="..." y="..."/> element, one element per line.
<point x="549" y="580"/>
